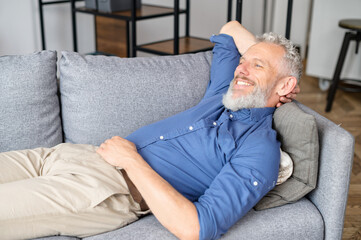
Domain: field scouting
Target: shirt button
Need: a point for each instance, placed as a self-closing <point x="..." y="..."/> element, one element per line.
<point x="255" y="183"/>
<point x="231" y="116"/>
<point x="214" y="123"/>
<point x="161" y="137"/>
<point x="191" y="128"/>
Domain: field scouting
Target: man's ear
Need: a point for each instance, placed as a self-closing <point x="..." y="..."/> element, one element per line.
<point x="286" y="85"/>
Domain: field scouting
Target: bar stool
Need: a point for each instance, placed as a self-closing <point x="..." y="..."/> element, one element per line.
<point x="354" y="35"/>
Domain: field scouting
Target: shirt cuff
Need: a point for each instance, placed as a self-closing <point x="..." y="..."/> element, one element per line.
<point x="224" y="39"/>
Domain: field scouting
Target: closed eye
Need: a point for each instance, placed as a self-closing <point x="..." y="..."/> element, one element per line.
<point x="241" y="61"/>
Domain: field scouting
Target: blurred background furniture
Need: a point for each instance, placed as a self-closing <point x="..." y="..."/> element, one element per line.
<point x="181" y="45"/>
<point x="114" y="37"/>
<point x="354" y="34"/>
<point x="325" y="39"/>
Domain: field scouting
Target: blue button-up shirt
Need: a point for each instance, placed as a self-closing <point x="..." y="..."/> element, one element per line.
<point x="223" y="161"/>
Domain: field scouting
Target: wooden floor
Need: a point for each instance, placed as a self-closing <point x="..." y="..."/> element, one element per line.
<point x="346" y="111"/>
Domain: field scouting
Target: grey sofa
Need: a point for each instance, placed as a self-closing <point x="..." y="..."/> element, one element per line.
<point x="105" y="96"/>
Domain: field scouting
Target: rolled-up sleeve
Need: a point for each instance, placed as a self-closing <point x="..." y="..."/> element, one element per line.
<point x="224" y="62"/>
<point x="242" y="182"/>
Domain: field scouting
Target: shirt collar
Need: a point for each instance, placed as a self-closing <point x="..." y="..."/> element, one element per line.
<point x="255" y="114"/>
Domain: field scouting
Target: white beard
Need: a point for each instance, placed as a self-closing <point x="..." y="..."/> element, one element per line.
<point x="256" y="99"/>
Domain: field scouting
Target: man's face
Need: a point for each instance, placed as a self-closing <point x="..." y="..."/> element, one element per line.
<point x="259" y="67"/>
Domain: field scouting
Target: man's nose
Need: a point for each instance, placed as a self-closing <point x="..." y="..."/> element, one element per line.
<point x="242" y="69"/>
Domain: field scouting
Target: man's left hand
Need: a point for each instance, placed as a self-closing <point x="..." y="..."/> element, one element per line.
<point x="118" y="152"/>
<point x="289" y="97"/>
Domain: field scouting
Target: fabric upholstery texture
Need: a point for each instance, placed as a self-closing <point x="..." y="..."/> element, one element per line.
<point x="108" y="96"/>
<point x="297" y="132"/>
<point x="285" y="221"/>
<point x="336" y="157"/>
<point x="29" y="109"/>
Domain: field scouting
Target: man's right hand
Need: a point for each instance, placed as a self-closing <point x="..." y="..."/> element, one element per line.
<point x="172" y="209"/>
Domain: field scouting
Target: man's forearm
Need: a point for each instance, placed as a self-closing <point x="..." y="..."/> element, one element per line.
<point x="173" y="210"/>
<point x="241" y="36"/>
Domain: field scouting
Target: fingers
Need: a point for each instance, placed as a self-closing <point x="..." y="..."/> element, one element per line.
<point x="116" y="141"/>
<point x="285" y="99"/>
<point x="112" y="140"/>
<point x="110" y="150"/>
<point x="297" y="89"/>
<point x="107" y="143"/>
<point x="291" y="95"/>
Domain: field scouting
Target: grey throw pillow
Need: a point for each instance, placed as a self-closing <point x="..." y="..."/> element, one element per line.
<point x="106" y="96"/>
<point x="29" y="105"/>
<point x="298" y="135"/>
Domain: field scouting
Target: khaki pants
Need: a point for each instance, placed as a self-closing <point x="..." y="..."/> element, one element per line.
<point x="65" y="190"/>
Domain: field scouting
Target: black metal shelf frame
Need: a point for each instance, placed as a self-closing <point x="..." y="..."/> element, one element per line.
<point x="41" y="15"/>
<point x="133" y="19"/>
<point x="128" y="19"/>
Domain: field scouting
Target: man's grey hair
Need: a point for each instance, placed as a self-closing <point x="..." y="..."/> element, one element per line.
<point x="292" y="59"/>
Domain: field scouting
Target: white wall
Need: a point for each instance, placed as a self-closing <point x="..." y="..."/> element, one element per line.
<point x="299" y="23"/>
<point x="20" y="27"/>
<point x="17" y="27"/>
<point x="326" y="39"/>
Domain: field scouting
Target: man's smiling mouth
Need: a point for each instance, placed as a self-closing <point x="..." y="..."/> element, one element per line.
<point x="242" y="82"/>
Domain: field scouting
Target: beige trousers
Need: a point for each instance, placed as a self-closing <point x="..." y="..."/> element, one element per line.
<point x="65" y="190"/>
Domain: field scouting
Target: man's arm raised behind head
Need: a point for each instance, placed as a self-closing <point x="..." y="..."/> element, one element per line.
<point x="241" y="36"/>
<point x="233" y="40"/>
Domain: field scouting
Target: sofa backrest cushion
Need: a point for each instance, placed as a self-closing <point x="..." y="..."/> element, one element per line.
<point x="104" y="96"/>
<point x="297" y="132"/>
<point x="29" y="109"/>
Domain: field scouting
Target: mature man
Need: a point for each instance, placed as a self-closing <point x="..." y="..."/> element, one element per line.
<point x="198" y="172"/>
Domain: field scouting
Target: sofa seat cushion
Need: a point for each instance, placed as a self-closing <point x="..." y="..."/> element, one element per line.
<point x="300" y="220"/>
<point x="29" y="109"/>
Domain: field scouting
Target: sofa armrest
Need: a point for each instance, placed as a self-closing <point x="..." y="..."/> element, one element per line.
<point x="335" y="163"/>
